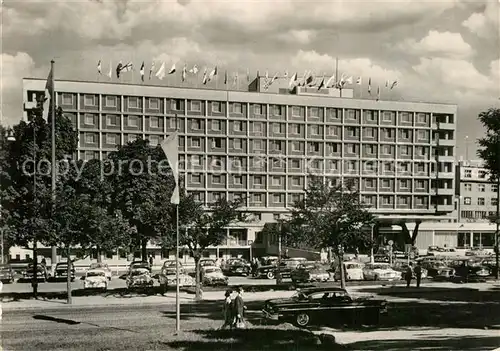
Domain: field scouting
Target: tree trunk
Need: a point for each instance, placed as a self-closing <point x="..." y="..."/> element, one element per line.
<point x="199" y="292"/>
<point x="342" y="272"/>
<point x="144" y="251"/>
<point x="68" y="278"/>
<point x="98" y="253"/>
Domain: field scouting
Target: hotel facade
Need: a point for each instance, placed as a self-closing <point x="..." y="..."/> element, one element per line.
<point x="263" y="145"/>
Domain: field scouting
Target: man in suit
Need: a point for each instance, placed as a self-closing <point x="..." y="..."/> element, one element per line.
<point x="238" y="309"/>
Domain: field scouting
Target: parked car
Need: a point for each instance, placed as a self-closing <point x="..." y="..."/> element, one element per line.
<point x="381" y="258"/>
<point x="270" y="271"/>
<point x="96" y="279"/>
<point x="403" y="266"/>
<point x="102" y="266"/>
<point x="168" y="276"/>
<point x="207" y="262"/>
<point x="6" y="274"/>
<point x="326" y="304"/>
<point x="236" y="266"/>
<point x="294" y="262"/>
<point x="469" y="270"/>
<point x="380" y="271"/>
<point x="213" y="276"/>
<point x="353" y="271"/>
<point x="61" y="271"/>
<point x="435" y="268"/>
<point x="139" y="264"/>
<point x="139" y="277"/>
<point x="310" y="272"/>
<point x="41" y="272"/>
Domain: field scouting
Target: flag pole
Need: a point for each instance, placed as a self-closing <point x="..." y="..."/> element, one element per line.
<point x="177" y="301"/>
<point x="53" y="112"/>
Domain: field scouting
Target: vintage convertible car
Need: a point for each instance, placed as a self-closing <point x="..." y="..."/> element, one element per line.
<point x="41" y="272"/>
<point x="95" y="279"/>
<point x="309" y="272"/>
<point x="139" y="278"/>
<point x="324" y="305"/>
<point x="213" y="276"/>
<point x="380" y="271"/>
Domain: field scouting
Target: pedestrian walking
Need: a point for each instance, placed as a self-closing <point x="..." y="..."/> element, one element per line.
<point x="238" y="310"/>
<point x="409" y="275"/>
<point x="151" y="260"/>
<point x="227" y="310"/>
<point x="418" y="273"/>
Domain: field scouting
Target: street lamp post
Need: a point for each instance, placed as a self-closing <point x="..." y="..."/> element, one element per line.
<point x="371" y="243"/>
<point x="278" y="270"/>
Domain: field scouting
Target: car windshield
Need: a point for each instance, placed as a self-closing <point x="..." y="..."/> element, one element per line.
<point x="380" y="266"/>
<point x="4" y="268"/>
<point x="140" y="265"/>
<point x="207" y="263"/>
<point x="95" y="274"/>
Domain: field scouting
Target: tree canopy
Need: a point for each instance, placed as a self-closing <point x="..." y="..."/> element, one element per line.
<point x="489" y="145"/>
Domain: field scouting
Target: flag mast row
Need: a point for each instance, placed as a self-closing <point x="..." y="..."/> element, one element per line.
<point x="309" y="79"/>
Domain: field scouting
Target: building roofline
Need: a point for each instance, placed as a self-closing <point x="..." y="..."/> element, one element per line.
<point x="190" y="88"/>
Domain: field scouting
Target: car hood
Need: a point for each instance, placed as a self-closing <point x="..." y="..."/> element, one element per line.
<point x="282" y="301"/>
<point x="267" y="267"/>
<point x="95" y="279"/>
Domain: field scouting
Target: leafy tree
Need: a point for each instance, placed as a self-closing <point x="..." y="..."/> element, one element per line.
<point x="489" y="145"/>
<point x="143" y="184"/>
<point x="200" y="227"/>
<point x="331" y="216"/>
<point x="27" y="204"/>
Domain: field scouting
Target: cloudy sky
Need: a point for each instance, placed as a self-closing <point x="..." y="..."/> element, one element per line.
<point x="438" y="50"/>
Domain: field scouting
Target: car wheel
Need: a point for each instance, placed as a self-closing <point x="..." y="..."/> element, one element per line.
<point x="302" y="320"/>
<point x="270" y="275"/>
<point x="294" y="282"/>
<point x="375" y="277"/>
<point x="164" y="288"/>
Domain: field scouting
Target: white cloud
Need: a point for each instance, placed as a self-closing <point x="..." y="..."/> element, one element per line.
<point x="451" y="74"/>
<point x="438" y="44"/>
<point x="13" y="69"/>
<point x="485" y="24"/>
<point x="311" y="60"/>
<point x="495" y="71"/>
<point x="297" y="36"/>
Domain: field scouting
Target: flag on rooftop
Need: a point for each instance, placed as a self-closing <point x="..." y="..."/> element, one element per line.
<point x="99" y="67"/>
<point x="293" y="81"/>
<point x="370" y="85"/>
<point x="184" y="72"/>
<point x="151" y="70"/>
<point x="161" y="72"/>
<point x="359" y="81"/>
<point x="49" y="90"/>
<point x="119" y="69"/>
<point x="172" y="69"/>
<point x="142" y="71"/>
<point x="194" y="70"/>
<point x="212" y="74"/>
<point x="394" y="84"/>
<point x="330" y="81"/>
<point x="110" y="72"/>
<point x="128" y="67"/>
<point x="205" y="76"/>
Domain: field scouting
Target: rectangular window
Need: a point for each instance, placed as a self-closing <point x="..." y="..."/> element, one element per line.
<point x="238" y="180"/>
<point x="111" y="120"/>
<point x="196" y="178"/>
<point x="480" y="201"/>
<point x="314" y="129"/>
<point x="216" y="125"/>
<point x="277" y="198"/>
<point x="196" y="124"/>
<point x="351" y="131"/>
<point x="153" y="140"/>
<point x="195" y="106"/>
<point x="216" y="179"/>
<point x="405" y="117"/>
<point x="90" y="138"/>
<point x="154" y="122"/>
<point x="195" y="142"/>
<point x="110" y="101"/>
<point x="277" y="110"/>
<point x="237" y="144"/>
<point x="257" y="127"/>
<point x="276" y="181"/>
<point x="257" y="180"/>
<point x="482" y="174"/>
<point x="67" y="99"/>
<point x="154" y="103"/>
<point x="237" y="107"/>
<point x="132" y="121"/>
<point x="216" y="143"/>
<point x="314" y="147"/>
<point x="216" y="106"/>
<point x="257" y="109"/>
<point x="195" y="159"/>
<point x="333" y="130"/>
<point x="296" y="110"/>
<point x="131" y="138"/>
<point x="89" y="120"/>
<point x="468" y="173"/>
<point x="258" y="145"/>
<point x="89" y="100"/>
<point x="387" y="116"/>
<point x="175" y="105"/>
<point x="314" y="112"/>
<point x="421" y="118"/>
<point x="481" y="188"/>
<point x="110" y="139"/>
<point x="133" y="102"/>
<point x="237" y="126"/>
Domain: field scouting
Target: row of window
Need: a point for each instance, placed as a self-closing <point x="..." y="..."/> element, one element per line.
<point x="298" y="181"/>
<point x="135" y="102"/>
<point x="481" y="173"/>
<point x="481" y="187"/>
<point x="294" y="129"/>
<point x="279" y="198"/>
<point x="481" y="201"/>
<point x="475" y="215"/>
